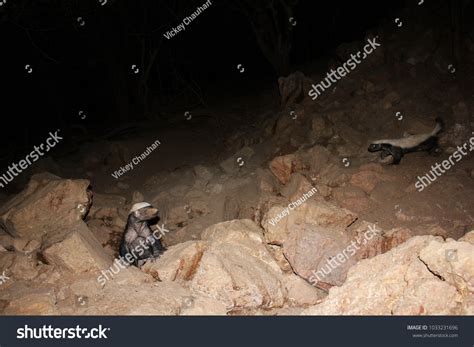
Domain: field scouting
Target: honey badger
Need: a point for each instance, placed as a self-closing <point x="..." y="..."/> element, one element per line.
<point x="415" y="143"/>
<point x="138" y="241"/>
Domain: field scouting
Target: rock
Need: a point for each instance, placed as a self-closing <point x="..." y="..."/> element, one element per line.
<point x="324" y="214"/>
<point x="321" y="131"/>
<point x="372" y="241"/>
<point x="216" y="188"/>
<point x="469" y="237"/>
<point x="178" y="215"/>
<point x="79" y="252"/>
<point x="202" y="306"/>
<point x="46" y="209"/>
<point x="357" y="205"/>
<point x="137" y="197"/>
<point x="19" y="243"/>
<point x="333" y="175"/>
<point x="281" y="219"/>
<point x="231" y="208"/>
<point x="264" y="205"/>
<point x="300" y="293"/>
<point x="131" y="276"/>
<point x="367" y="179"/>
<point x="453" y="262"/>
<point x="394" y="237"/>
<point x="324" y="191"/>
<point x="352" y="198"/>
<point x="108" y="206"/>
<point x="203" y="172"/>
<point x="237" y="269"/>
<point x="105" y="233"/>
<point x="316" y="254"/>
<point x="85" y="286"/>
<point x="285" y="123"/>
<point x="20" y="266"/>
<point x="179" y="262"/>
<point x="316" y="159"/>
<point x="144" y="299"/>
<point x="266" y="181"/>
<point x="293" y="89"/>
<point x="277" y="254"/>
<point x="35" y="304"/>
<point x="296" y="187"/>
<point x="31" y="246"/>
<point x="275" y="229"/>
<point x="6" y="240"/>
<point x="236" y="230"/>
<point x="282" y="167"/>
<point x="403" y="280"/>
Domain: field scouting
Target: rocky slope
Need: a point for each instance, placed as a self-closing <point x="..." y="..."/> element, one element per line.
<point x="291" y="215"/>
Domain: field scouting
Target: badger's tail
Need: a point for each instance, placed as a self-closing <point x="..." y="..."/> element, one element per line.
<point x="439" y="126"/>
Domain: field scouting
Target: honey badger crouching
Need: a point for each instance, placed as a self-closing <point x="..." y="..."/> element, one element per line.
<point x="138" y="241"/>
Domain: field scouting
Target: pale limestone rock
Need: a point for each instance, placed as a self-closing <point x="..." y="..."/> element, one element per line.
<point x="404" y="280"/>
<point x="79" y="252"/>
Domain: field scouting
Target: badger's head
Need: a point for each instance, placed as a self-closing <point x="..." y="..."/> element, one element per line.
<point x="143" y="211"/>
<point x="375" y="147"/>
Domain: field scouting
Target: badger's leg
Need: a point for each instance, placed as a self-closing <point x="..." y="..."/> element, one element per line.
<point x="397" y="154"/>
<point x="123" y="249"/>
<point x="384" y="154"/>
<point x="140" y="249"/>
<point x="434" y="148"/>
<point x="157" y="248"/>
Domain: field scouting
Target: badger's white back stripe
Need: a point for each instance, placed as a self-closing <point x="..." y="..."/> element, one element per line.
<point x="410" y="141"/>
<point x="138" y="206"/>
<point x="407" y="142"/>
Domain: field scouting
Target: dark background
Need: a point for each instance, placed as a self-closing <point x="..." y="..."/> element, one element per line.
<point x="89" y="67"/>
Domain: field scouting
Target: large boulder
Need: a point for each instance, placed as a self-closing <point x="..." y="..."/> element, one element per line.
<point x="179" y="262"/>
<point x="19" y="266"/>
<point x="144" y="299"/>
<point x="237" y="268"/>
<point x="37" y="304"/>
<point x="280" y="220"/>
<point x="282" y="167"/>
<point x="318" y="254"/>
<point x="78" y="252"/>
<point x="324" y="214"/>
<point x="369" y="176"/>
<point x="46" y="208"/>
<point x="403" y="280"/>
<point x="300" y="292"/>
<point x="275" y="225"/>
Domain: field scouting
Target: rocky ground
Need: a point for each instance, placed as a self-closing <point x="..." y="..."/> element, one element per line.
<point x="220" y="194"/>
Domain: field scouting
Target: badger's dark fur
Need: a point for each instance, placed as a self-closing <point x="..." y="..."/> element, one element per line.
<point x="397" y="148"/>
<point x="138" y="241"/>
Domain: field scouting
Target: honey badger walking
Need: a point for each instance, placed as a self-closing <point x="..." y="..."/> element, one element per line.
<point x="397" y="148"/>
<point x="138" y="241"/>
